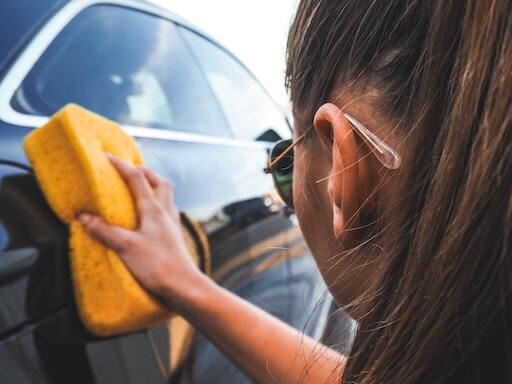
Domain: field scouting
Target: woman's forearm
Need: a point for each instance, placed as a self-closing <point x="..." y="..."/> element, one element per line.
<point x="265" y="348"/>
<point x="268" y="350"/>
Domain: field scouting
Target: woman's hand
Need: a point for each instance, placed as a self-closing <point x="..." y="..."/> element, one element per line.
<point x="156" y="252"/>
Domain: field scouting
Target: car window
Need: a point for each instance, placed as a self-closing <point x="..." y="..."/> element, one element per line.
<point x="129" y="66"/>
<point x="248" y="108"/>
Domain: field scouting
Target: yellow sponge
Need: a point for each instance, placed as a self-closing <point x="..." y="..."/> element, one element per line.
<point x="68" y="157"/>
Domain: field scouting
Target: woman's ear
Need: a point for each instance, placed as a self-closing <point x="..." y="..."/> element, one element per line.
<point x="344" y="185"/>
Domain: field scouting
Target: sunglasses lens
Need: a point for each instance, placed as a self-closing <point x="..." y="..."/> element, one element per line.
<point x="282" y="171"/>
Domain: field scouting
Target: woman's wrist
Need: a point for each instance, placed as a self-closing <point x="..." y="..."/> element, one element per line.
<point x="196" y="291"/>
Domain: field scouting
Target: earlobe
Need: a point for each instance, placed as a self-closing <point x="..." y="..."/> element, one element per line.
<point x="343" y="183"/>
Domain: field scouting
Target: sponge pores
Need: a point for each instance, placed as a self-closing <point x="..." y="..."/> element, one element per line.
<point x="68" y="158"/>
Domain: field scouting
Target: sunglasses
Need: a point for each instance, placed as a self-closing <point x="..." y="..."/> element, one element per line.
<point x="280" y="159"/>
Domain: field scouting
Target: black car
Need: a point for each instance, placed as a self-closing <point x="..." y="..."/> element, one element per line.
<point x="200" y="119"/>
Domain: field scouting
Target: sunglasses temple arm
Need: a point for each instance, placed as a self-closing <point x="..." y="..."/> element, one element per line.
<point x="385" y="154"/>
<point x="284" y="153"/>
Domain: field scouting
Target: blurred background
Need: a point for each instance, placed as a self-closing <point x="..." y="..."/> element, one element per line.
<point x="260" y="38"/>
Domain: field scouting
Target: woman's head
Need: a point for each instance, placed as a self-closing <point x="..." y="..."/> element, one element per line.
<point x="423" y="252"/>
<point x="365" y="58"/>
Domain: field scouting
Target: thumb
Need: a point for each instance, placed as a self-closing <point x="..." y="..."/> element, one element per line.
<point x="111" y="236"/>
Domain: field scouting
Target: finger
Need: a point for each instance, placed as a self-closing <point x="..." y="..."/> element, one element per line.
<point x="113" y="237"/>
<point x="163" y="188"/>
<point x="155" y="180"/>
<point x="135" y="178"/>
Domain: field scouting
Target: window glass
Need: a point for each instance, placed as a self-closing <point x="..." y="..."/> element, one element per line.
<point x="129" y="66"/>
<point x="248" y="108"/>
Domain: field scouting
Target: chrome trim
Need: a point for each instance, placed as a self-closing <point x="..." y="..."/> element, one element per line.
<point x="161" y="134"/>
<point x="37" y="46"/>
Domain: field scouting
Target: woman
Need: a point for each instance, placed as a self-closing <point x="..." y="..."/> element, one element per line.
<point x="410" y="224"/>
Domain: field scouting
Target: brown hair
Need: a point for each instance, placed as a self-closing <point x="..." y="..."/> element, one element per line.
<point x="441" y="310"/>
